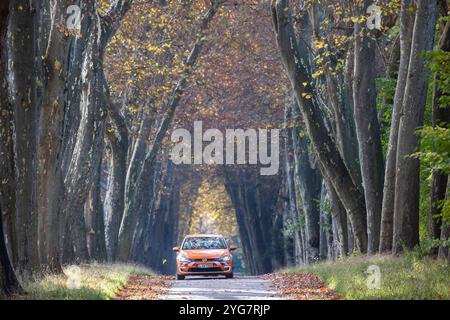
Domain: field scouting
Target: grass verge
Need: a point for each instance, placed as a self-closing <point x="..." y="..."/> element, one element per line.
<point x="96" y="282"/>
<point x="401" y="278"/>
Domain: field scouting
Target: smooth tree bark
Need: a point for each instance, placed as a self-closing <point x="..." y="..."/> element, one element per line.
<point x="322" y="141"/>
<point x="387" y="213"/>
<point x="407" y="186"/>
<point x="367" y="127"/>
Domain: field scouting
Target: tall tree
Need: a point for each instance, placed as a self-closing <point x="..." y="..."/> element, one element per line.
<point x="321" y="139"/>
<point x="308" y="189"/>
<point x="387" y="214"/>
<point x="254" y="198"/>
<point x="367" y="126"/>
<point x="118" y="139"/>
<point x="23" y="92"/>
<point x="87" y="147"/>
<point x="8" y="281"/>
<point x="51" y="118"/>
<point x="135" y="199"/>
<point x="7" y="165"/>
<point x="406" y="208"/>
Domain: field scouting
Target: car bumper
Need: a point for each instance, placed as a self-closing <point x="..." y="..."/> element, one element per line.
<point x="192" y="269"/>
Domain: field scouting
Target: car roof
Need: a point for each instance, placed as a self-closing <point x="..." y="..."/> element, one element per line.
<point x="204" y="235"/>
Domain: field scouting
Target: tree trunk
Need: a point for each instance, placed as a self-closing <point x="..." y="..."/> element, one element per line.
<point x="22" y="44"/>
<point x="86" y="150"/>
<point x="95" y="204"/>
<point x="49" y="175"/>
<point x="134" y="195"/>
<point x="325" y="147"/>
<point x="325" y="251"/>
<point x="368" y="129"/>
<point x="145" y="234"/>
<point x="339" y="217"/>
<point x="340" y="96"/>
<point x="406" y="209"/>
<point x="86" y="155"/>
<point x="7" y="165"/>
<point x="309" y="187"/>
<point x="290" y="216"/>
<point x="8" y="281"/>
<point x="137" y="181"/>
<point x="254" y="198"/>
<point x="114" y="201"/>
<point x="387" y="212"/>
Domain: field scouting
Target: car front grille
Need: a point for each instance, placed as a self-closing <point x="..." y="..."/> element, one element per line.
<point x="205" y="270"/>
<point x="201" y="260"/>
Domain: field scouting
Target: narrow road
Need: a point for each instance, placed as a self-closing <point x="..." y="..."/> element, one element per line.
<point x="239" y="288"/>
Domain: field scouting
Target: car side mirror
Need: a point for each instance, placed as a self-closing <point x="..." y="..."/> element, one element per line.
<point x="233" y="248"/>
<point x="176" y="249"/>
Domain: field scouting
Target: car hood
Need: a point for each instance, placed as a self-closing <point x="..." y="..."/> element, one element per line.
<point x="206" y="253"/>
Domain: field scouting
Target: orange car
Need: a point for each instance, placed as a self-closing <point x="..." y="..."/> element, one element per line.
<point x="204" y="254"/>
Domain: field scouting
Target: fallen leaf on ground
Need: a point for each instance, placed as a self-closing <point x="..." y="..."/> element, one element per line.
<point x="145" y="287"/>
<point x="301" y="286"/>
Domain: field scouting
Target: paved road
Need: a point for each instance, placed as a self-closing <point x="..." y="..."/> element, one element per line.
<point x="239" y="288"/>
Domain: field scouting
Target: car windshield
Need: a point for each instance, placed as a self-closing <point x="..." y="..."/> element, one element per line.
<point x="201" y="243"/>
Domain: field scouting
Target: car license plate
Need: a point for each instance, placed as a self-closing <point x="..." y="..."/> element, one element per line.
<point x="204" y="266"/>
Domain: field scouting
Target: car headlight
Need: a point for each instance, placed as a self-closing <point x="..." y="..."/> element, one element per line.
<point x="226" y="258"/>
<point x="184" y="260"/>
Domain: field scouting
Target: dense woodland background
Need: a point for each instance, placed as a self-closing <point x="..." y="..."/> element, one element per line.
<point x="86" y="117"/>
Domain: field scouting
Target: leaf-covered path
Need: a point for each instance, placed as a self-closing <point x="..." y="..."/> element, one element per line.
<point x="298" y="286"/>
<point x="301" y="286"/>
<point x="145" y="287"/>
<point x="239" y="288"/>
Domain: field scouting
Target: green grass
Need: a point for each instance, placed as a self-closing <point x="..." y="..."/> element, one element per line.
<point x="97" y="282"/>
<point x="401" y="278"/>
